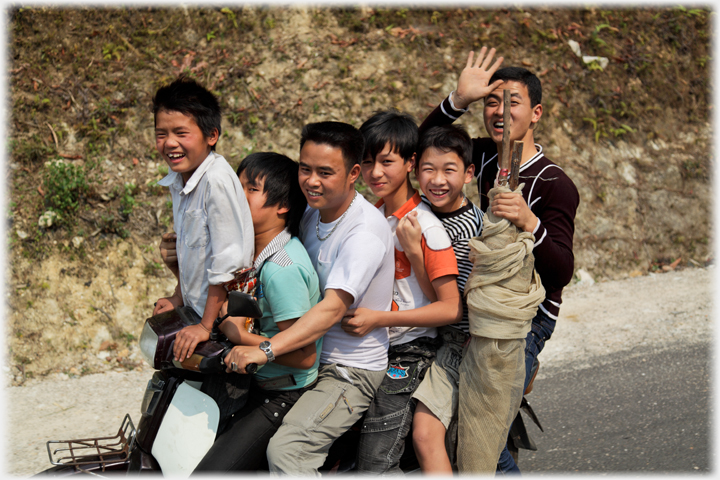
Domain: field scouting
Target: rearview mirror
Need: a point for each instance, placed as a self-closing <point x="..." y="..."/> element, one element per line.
<point x="242" y="305"/>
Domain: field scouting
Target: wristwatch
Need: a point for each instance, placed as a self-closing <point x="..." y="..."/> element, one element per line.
<point x="267" y="349"/>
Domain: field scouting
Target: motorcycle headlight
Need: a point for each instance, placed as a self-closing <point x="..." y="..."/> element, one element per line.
<point x="148" y="344"/>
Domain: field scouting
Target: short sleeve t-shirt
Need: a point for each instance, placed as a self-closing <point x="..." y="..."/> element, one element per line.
<point x="439" y="259"/>
<point x="357" y="257"/>
<point x="288" y="287"/>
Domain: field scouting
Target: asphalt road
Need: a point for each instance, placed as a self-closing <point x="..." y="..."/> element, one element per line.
<point x="646" y="411"/>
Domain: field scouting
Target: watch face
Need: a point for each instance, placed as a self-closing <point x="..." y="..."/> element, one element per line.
<point x="265" y="347"/>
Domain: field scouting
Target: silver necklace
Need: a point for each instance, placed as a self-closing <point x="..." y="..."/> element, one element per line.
<point x="317" y="225"/>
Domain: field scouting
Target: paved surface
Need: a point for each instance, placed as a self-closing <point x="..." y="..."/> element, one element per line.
<point x="649" y="412"/>
<point x="623" y="387"/>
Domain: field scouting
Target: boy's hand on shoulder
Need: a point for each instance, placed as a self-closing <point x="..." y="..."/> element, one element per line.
<point x="359" y="321"/>
<point x="187" y="339"/>
<point x="473" y="82"/>
<point x="409" y="234"/>
<point x="513" y="207"/>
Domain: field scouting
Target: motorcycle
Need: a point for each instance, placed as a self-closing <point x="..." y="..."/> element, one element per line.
<point x="173" y="409"/>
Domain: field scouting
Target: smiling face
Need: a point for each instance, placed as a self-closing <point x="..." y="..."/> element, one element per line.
<point x="523" y="115"/>
<point x="180" y="142"/>
<point x="325" y="181"/>
<point x="387" y="173"/>
<point x="441" y="176"/>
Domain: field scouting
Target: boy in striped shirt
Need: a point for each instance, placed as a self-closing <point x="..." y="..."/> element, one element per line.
<point x="444" y="167"/>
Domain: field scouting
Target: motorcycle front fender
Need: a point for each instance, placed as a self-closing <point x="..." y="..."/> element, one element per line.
<point x="187" y="431"/>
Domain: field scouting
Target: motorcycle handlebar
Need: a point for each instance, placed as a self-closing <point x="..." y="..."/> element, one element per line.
<point x="249" y="368"/>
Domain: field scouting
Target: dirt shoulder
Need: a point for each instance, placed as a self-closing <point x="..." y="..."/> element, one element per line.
<point x="597" y="321"/>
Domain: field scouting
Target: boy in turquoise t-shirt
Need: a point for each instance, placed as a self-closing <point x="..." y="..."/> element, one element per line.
<point x="288" y="287"/>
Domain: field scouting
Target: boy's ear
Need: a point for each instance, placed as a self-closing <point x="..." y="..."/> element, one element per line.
<point x="412" y="162"/>
<point x="469" y="173"/>
<point x="282" y="210"/>
<point x="537" y="113"/>
<point x="213" y="138"/>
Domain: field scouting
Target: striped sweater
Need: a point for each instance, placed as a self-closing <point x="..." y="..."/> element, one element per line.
<point x="550" y="194"/>
<point x="461" y="225"/>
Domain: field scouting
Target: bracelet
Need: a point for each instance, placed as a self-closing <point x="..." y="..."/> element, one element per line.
<point x="204" y="327"/>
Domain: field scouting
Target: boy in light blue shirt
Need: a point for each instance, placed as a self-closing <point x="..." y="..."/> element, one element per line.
<point x="210" y="212"/>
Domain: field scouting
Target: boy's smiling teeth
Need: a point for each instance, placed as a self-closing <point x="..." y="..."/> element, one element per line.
<point x="314" y="194"/>
<point x="498" y="124"/>
<point x="175" y="155"/>
<point x="438" y="193"/>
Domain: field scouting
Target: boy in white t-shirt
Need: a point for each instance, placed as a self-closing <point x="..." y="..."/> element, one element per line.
<point x="351" y="247"/>
<point x="390" y="143"/>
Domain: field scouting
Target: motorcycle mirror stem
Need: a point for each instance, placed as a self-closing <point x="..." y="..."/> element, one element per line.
<point x="240" y="305"/>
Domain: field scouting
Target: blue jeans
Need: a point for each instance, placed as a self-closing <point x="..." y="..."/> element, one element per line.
<point x="389" y="417"/>
<point x="540" y="331"/>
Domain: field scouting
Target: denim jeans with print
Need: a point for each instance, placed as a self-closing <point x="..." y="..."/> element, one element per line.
<point x="540" y="331"/>
<point x="388" y="420"/>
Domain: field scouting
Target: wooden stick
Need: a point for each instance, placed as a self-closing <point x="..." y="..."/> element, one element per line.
<point x="57" y="147"/>
<point x="505" y="159"/>
<point x="515" y="164"/>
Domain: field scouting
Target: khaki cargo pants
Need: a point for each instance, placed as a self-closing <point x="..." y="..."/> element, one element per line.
<point x="338" y="400"/>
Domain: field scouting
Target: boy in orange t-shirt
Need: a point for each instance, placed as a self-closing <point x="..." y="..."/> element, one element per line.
<point x="424" y="296"/>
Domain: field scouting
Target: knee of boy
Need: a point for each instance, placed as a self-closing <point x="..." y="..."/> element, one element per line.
<point x="420" y="437"/>
<point x="272" y="453"/>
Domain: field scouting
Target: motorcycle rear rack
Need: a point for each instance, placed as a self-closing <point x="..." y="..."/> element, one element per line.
<point x="99" y="452"/>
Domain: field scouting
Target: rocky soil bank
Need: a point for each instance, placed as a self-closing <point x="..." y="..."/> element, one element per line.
<point x="633" y="134"/>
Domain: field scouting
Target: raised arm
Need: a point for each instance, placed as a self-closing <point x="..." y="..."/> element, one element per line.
<point x="474" y="82"/>
<point x="472" y="86"/>
<point x="409" y="234"/>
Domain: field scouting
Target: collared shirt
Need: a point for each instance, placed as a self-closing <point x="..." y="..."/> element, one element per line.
<point x="214" y="228"/>
<point x="287" y="289"/>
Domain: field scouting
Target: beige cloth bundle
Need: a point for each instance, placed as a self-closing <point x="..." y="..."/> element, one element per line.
<point x="503" y="290"/>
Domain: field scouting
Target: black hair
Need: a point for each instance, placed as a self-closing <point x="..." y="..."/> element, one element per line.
<point x="337" y="135"/>
<point x="188" y="97"/>
<point x="524" y="76"/>
<point x="448" y="138"/>
<point x="392" y="127"/>
<point x="280" y="184"/>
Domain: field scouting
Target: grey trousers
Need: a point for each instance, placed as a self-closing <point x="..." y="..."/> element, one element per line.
<point x="321" y="415"/>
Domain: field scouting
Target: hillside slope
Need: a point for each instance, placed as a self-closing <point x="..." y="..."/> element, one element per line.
<point x="635" y="136"/>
